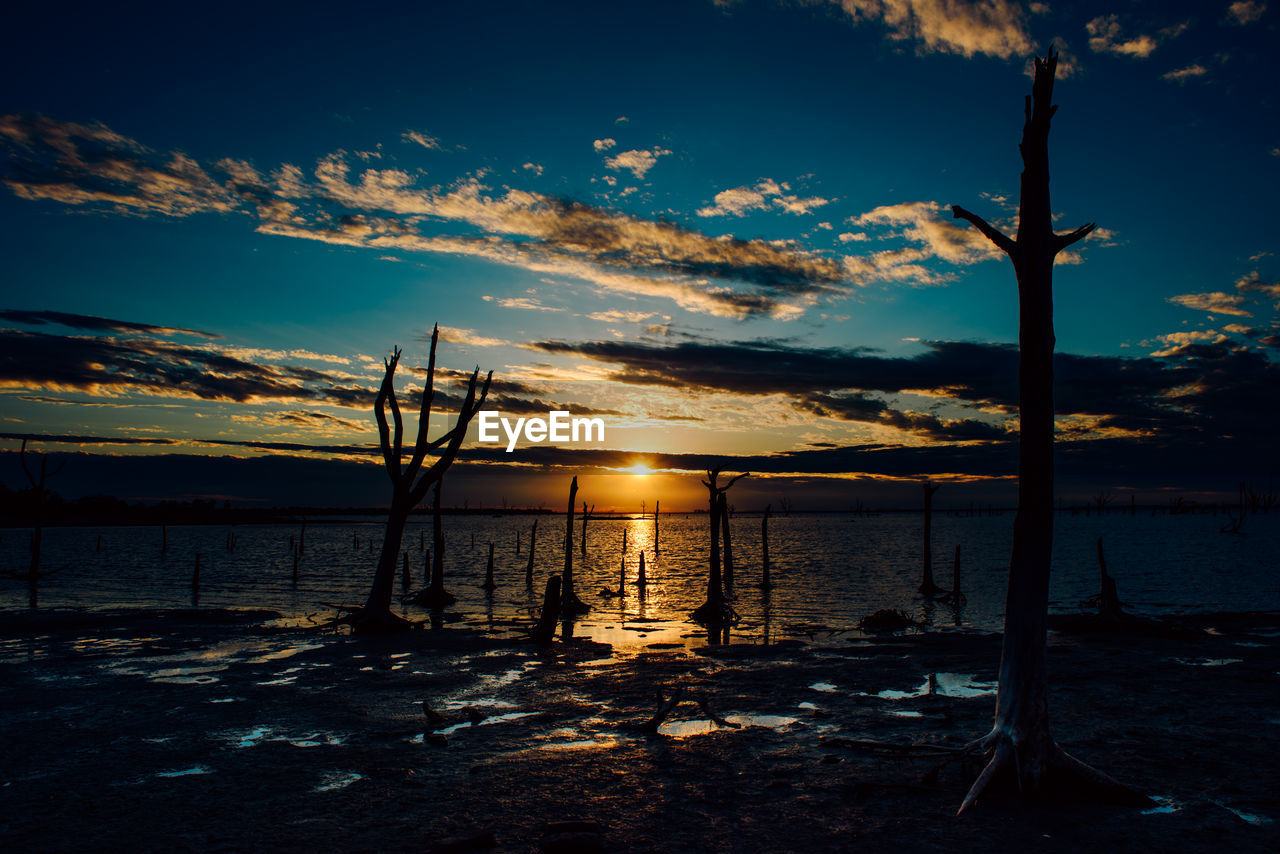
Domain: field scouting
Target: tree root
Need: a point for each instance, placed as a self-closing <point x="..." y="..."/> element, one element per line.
<point x="364" y="622"/>
<point x="716" y="614"/>
<point x="1058" y="771"/>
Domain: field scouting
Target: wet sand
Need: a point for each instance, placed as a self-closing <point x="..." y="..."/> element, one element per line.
<point x="214" y="731"/>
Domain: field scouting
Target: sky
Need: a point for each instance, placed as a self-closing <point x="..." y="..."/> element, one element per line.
<point x="723" y="228"/>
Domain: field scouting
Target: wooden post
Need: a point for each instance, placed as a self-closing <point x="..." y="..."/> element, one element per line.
<point x="99" y="542"/>
<point x="622" y="578"/>
<point x="517" y="541"/>
<point x="164" y="538"/>
<point x="641" y="581"/>
<point x="624" y="538"/>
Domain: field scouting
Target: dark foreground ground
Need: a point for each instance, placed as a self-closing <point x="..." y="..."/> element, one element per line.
<point x="209" y="732"/>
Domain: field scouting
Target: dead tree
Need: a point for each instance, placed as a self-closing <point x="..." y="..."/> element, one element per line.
<point x="656" y="549"/>
<point x="716" y="611"/>
<point x="489" y="584"/>
<point x="544" y="633"/>
<point x="570" y="604"/>
<point x="927" y="587"/>
<point x="528" y="570"/>
<point x="727" y="541"/>
<point x="37" y="508"/>
<point x="765" y="583"/>
<point x="586" y="517"/>
<point x="409" y="483"/>
<point x="435" y="596"/>
<point x="1108" y="598"/>
<point x="955" y="596"/>
<point x="1020" y="746"/>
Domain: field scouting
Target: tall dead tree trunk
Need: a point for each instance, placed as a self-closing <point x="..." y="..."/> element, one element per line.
<point x="765" y="582"/>
<point x="435" y="596"/>
<point x="409" y="483"/>
<point x="927" y="587"/>
<point x="570" y="604"/>
<point x="728" y="541"/>
<point x="586" y="517"/>
<point x="528" y="570"/>
<point x="1020" y="746"/>
<point x="716" y="611"/>
<point x="37" y="509"/>
<point x="656" y="549"/>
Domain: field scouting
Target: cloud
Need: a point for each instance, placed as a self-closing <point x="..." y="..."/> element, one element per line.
<point x="929" y="225"/>
<point x="425" y="140"/>
<point x="965" y="27"/>
<point x="389" y="210"/>
<point x="1182" y="75"/>
<point x="96" y="324"/>
<point x="637" y="162"/>
<point x="739" y="201"/>
<point x="1244" y="12"/>
<point x="524" y="303"/>
<point x="532" y="167"/>
<point x="604" y="144"/>
<point x="1215" y="302"/>
<point x="1105" y="36"/>
<point x="91" y="164"/>
<point x="468" y="338"/>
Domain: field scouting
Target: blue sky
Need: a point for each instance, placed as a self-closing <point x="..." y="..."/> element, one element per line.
<point x="579" y="193"/>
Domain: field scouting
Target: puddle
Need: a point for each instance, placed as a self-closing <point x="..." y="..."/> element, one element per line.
<point x="824" y="687"/>
<point x="810" y="707"/>
<point x="961" y="685"/>
<point x="684" y="729"/>
<point x="1164" y="806"/>
<point x="484" y="703"/>
<point x="241" y="739"/>
<point x="186" y="772"/>
<point x="1208" y="662"/>
<point x="228" y="700"/>
<point x="905" y="713"/>
<point x="332" y="782"/>
<point x="495" y="719"/>
<point x="1255" y="819"/>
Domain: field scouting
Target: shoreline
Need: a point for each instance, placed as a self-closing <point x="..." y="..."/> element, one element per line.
<point x="158" y="730"/>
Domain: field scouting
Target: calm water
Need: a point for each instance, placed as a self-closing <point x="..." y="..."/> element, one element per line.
<point x="829" y="570"/>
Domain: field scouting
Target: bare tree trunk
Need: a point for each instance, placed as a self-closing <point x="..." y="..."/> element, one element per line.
<point x="1020" y="744"/>
<point x="715" y="611"/>
<point x="489" y="584"/>
<point x="436" y="596"/>
<point x="570" y="604"/>
<point x="528" y="571"/>
<point x="927" y="587"/>
<point x="728" y="542"/>
<point x="765" y="582"/>
<point x="656" y="549"/>
<point x="410" y="482"/>
<point x="545" y="631"/>
<point x="641" y="581"/>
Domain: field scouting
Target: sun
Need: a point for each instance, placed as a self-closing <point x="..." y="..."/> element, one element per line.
<point x="639" y="469"/>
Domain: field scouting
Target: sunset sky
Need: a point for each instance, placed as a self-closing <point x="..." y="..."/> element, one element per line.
<point x="723" y="227"/>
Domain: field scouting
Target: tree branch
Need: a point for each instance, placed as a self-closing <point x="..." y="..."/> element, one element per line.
<point x="22" y="456"/>
<point x="421" y="447"/>
<point x="380" y="413"/>
<point x="993" y="234"/>
<point x="1062" y="241"/>
<point x="470" y="407"/>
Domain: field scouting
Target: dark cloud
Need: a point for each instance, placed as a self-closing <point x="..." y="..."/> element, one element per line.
<point x="95" y="324"/>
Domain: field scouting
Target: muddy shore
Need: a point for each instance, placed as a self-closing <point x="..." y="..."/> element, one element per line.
<point x="214" y="731"/>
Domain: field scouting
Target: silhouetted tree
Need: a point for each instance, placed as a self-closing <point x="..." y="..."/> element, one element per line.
<point x="927" y="587"/>
<point x="716" y="611"/>
<point x="409" y="482"/>
<point x="37" y="511"/>
<point x="570" y="604"/>
<point x="1020" y="745"/>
